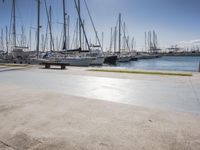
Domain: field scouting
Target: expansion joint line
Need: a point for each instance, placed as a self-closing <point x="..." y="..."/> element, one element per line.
<point x="7" y="145"/>
<point x="195" y="92"/>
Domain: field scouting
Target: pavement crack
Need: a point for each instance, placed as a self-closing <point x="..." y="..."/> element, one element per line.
<point x="195" y="92"/>
<point x="7" y="145"/>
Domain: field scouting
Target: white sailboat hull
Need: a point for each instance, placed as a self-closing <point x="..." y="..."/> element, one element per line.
<point x="98" y="61"/>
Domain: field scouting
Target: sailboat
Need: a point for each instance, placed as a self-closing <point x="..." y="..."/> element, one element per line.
<point x="92" y="56"/>
<point x="122" y="56"/>
<point x="20" y="54"/>
<point x="95" y="51"/>
<point x="73" y="57"/>
<point x="17" y="51"/>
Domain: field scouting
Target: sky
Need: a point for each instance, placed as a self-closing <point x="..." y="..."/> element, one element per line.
<point x="175" y="21"/>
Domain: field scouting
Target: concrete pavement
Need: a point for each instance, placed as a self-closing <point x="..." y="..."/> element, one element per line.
<point x="44" y="119"/>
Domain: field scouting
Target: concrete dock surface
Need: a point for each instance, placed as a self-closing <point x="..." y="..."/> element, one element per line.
<point x="35" y="117"/>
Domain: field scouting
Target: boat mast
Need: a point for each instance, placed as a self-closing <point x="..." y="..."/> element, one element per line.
<point x="38" y="28"/>
<point x="119" y="32"/>
<point x="50" y="28"/>
<point x="64" y="26"/>
<point x="145" y="36"/>
<point x="81" y="23"/>
<point x="126" y="39"/>
<point x="14" y="24"/>
<point x="79" y="12"/>
<point x="102" y="40"/>
<point x="68" y="36"/>
<point x="6" y="39"/>
<point x="111" y="39"/>
<point x="30" y="40"/>
<point x="115" y="39"/>
<point x="132" y="45"/>
<point x="2" y="43"/>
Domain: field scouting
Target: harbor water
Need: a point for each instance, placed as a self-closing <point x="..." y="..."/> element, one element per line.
<point x="171" y="63"/>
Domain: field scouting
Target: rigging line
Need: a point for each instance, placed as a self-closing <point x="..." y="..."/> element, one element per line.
<point x="46" y="36"/>
<point x="20" y="15"/>
<point x="73" y="39"/>
<point x="93" y="25"/>
<point x="60" y="39"/>
<point x="10" y="30"/>
<point x="79" y="15"/>
<point x="126" y="39"/>
<point x="48" y="18"/>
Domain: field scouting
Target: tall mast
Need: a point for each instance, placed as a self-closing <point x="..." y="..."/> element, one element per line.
<point x="79" y="11"/>
<point x="126" y="39"/>
<point x="14" y="24"/>
<point x="111" y="39"/>
<point x="119" y="32"/>
<point x="102" y="40"/>
<point x="132" y="45"/>
<point x="38" y="28"/>
<point x="30" y="39"/>
<point x="68" y="36"/>
<point x="81" y="23"/>
<point x="115" y="39"/>
<point x="50" y="28"/>
<point x="145" y="36"/>
<point x="64" y="26"/>
<point x="83" y="37"/>
<point x="2" y="43"/>
<point x="49" y="19"/>
<point x="6" y="39"/>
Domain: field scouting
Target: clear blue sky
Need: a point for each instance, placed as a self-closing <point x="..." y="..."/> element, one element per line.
<point x="173" y="20"/>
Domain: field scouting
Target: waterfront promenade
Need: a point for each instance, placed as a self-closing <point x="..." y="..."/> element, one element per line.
<point x="76" y="109"/>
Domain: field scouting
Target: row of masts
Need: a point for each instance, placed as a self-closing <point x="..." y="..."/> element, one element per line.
<point x="65" y="41"/>
<point x="118" y="35"/>
<point x="151" y="41"/>
<point x="119" y="40"/>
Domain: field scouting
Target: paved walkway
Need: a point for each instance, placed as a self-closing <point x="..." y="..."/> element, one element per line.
<point x="38" y="117"/>
<point x="38" y="120"/>
<point x="167" y="92"/>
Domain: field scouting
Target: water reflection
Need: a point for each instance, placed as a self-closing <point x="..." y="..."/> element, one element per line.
<point x="180" y="63"/>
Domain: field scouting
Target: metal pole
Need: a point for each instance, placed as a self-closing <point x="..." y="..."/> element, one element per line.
<point x="14" y="24"/>
<point x="6" y="39"/>
<point x="38" y="29"/>
<point x="50" y="23"/>
<point x="119" y="32"/>
<point x="115" y="39"/>
<point x="65" y="32"/>
<point x="111" y="39"/>
<point x="30" y="40"/>
<point x="145" y="36"/>
<point x="79" y="12"/>
<point x="68" y="36"/>
<point x="2" y="43"/>
<point x="102" y="41"/>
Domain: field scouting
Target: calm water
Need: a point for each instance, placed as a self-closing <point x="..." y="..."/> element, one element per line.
<point x="171" y="63"/>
